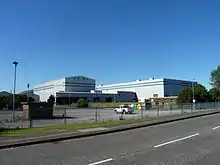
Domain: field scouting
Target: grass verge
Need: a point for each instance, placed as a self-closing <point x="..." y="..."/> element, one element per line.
<point x="69" y="127"/>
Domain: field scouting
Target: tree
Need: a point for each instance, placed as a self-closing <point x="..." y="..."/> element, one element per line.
<point x="20" y="98"/>
<point x="51" y="99"/>
<point x="82" y="103"/>
<point x="6" y="101"/>
<point x="214" y="94"/>
<point x="185" y="96"/>
<point x="215" y="78"/>
<point x="200" y="94"/>
<point x="2" y="102"/>
<point x="31" y="99"/>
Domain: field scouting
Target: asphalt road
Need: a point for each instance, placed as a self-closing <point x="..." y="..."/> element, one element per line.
<point x="189" y="142"/>
<point x="82" y="115"/>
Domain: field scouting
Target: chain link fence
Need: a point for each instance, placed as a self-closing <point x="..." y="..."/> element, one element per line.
<point x="100" y="113"/>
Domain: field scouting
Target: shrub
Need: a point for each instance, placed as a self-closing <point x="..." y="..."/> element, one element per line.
<point x="82" y="103"/>
<point x="51" y="99"/>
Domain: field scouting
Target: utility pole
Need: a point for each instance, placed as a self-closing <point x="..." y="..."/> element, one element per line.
<point x="28" y="86"/>
<point x="193" y="91"/>
<point x="15" y="72"/>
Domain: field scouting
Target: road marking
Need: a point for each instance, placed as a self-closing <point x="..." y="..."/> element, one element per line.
<point x="173" y="141"/>
<point x="216" y="127"/>
<point x="103" y="161"/>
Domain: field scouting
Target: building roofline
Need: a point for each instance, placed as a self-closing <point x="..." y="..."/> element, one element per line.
<point x="39" y="85"/>
<point x="51" y="81"/>
<point x="131" y="82"/>
<point x="140" y="82"/>
<point x="80" y="76"/>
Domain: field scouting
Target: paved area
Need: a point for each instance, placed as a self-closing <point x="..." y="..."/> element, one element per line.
<point x="189" y="142"/>
<point x="5" y="115"/>
<point x="81" y="115"/>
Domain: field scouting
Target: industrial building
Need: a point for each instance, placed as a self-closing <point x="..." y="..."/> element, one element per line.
<point x="30" y="93"/>
<point x="151" y="88"/>
<point x="70" y="89"/>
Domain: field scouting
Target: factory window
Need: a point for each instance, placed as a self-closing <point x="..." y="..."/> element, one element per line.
<point x="155" y="95"/>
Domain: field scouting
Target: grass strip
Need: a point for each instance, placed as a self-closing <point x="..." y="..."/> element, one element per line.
<point x="75" y="126"/>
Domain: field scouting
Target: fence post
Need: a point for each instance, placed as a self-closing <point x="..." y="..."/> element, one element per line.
<point x="170" y="109"/>
<point x="121" y="117"/>
<point x="99" y="117"/>
<point x="30" y="118"/>
<point x="142" y="116"/>
<point x="96" y="114"/>
<point x="157" y="110"/>
<point x="181" y="109"/>
<point x="31" y="123"/>
<point x="64" y="115"/>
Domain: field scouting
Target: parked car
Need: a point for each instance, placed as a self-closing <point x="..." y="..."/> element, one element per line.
<point x="20" y="109"/>
<point x="124" y="109"/>
<point x="5" y="109"/>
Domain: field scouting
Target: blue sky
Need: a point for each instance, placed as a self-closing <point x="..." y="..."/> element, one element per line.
<point x="110" y="40"/>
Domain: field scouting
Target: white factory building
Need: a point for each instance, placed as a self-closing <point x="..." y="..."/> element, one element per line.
<point x="71" y="89"/>
<point x="151" y="88"/>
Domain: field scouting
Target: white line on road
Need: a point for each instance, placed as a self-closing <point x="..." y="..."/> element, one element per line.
<point x="103" y="161"/>
<point x="216" y="127"/>
<point x="173" y="141"/>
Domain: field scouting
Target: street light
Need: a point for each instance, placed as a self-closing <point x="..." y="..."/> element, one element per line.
<point x="28" y="86"/>
<point x="15" y="63"/>
<point x="193" y="91"/>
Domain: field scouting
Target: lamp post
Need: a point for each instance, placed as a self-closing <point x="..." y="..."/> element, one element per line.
<point x="193" y="92"/>
<point x="15" y="63"/>
<point x="28" y="86"/>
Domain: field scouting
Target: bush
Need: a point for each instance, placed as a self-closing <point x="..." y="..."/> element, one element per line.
<point x="81" y="103"/>
<point x="51" y="99"/>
